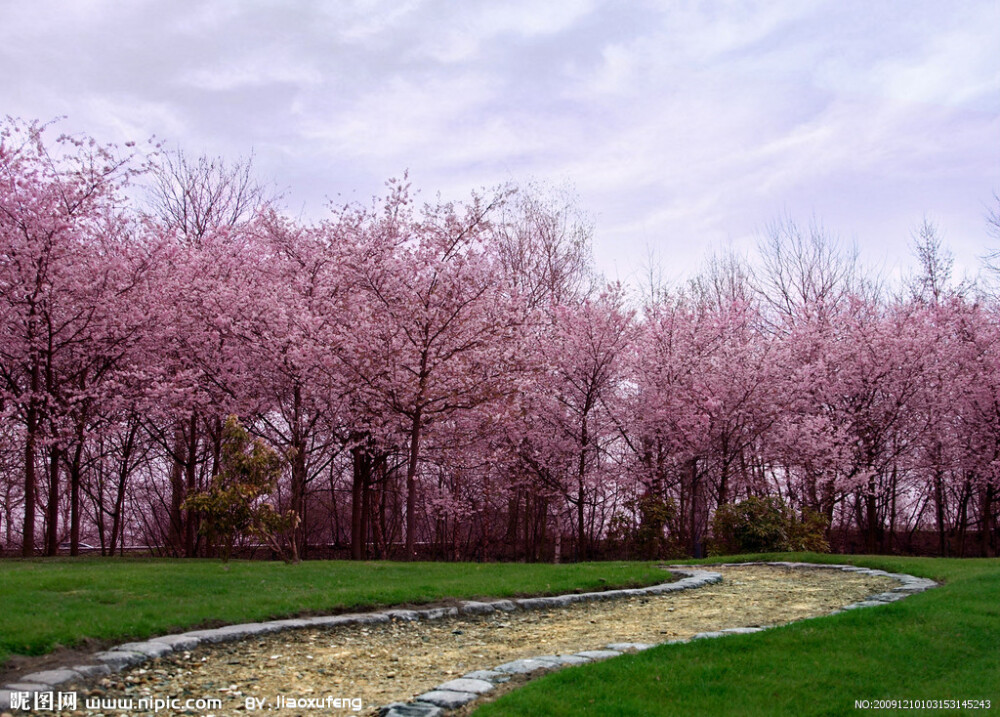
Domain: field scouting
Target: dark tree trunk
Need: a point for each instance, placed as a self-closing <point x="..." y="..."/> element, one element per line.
<point x="939" y="511"/>
<point x="411" y="486"/>
<point x="52" y="508"/>
<point x="695" y="534"/>
<point x="28" y="544"/>
<point x="117" y="531"/>
<point x="871" y="519"/>
<point x="176" y="537"/>
<point x="191" y="480"/>
<point x="581" y="540"/>
<point x="986" y="525"/>
<point x="359" y="490"/>
<point x="75" y="470"/>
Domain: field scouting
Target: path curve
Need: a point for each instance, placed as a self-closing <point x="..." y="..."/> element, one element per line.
<point x="399" y="625"/>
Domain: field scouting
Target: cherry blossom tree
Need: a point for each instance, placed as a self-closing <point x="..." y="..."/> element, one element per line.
<point x="60" y="223"/>
<point x="436" y="312"/>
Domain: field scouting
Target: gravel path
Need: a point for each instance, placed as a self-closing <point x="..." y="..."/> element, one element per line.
<point x="367" y="666"/>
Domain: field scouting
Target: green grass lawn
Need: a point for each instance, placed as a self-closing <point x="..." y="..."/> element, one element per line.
<point x="47" y="603"/>
<point x="943" y="644"/>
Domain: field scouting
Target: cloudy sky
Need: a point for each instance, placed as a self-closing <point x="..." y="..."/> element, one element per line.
<point x="684" y="127"/>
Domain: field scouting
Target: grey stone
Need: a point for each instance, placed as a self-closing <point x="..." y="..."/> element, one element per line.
<point x="665" y="588"/>
<point x="371" y="618"/>
<point x="609" y="595"/>
<point x="488" y="675"/>
<point x="523" y="667"/>
<point x="598" y="654"/>
<point x="465" y="684"/>
<point x="398" y="709"/>
<point x="4" y="700"/>
<point x="406" y="615"/>
<point x="239" y="632"/>
<point x="624" y="646"/>
<point x="52" y="677"/>
<point x="92" y="670"/>
<point x="120" y="659"/>
<point x="504" y="605"/>
<point x="695" y="578"/>
<point x="179" y="642"/>
<point x="561" y="600"/>
<point x="564" y="659"/>
<point x="150" y="649"/>
<point x="326" y="620"/>
<point x="471" y="607"/>
<point x="437" y="613"/>
<point x="917" y="585"/>
<point x="31" y="687"/>
<point x="353" y="618"/>
<point x="742" y="630"/>
<point x="291" y="623"/>
<point x="708" y="635"/>
<point x="446" y="698"/>
<point x="539" y="603"/>
<point x="887" y="597"/>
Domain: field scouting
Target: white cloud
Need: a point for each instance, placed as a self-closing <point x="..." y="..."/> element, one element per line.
<point x="686" y="123"/>
<point x="251" y="71"/>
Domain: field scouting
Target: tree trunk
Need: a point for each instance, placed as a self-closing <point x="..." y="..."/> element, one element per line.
<point x="299" y="474"/>
<point x="75" y="470"/>
<point x="939" y="511"/>
<point x="411" y="482"/>
<point x="176" y="536"/>
<point x="299" y="495"/>
<point x="123" y="471"/>
<point x="871" y="519"/>
<point x="513" y="520"/>
<point x="581" y="541"/>
<point x="963" y="516"/>
<point x="359" y="490"/>
<point x="894" y="483"/>
<point x="190" y="468"/>
<point x="696" y="538"/>
<point x="52" y="507"/>
<point x="28" y="541"/>
<point x="986" y="522"/>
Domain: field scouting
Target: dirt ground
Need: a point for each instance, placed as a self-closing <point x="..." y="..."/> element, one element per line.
<point x="366" y="666"/>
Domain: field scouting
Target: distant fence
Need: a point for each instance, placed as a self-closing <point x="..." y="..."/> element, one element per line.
<point x="918" y="543"/>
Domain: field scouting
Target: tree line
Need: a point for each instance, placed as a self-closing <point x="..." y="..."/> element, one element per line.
<point x="454" y="380"/>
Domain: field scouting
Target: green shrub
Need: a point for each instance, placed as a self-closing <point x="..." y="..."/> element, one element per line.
<point x="645" y="539"/>
<point x="765" y="525"/>
<point x="809" y="533"/>
<point x="235" y="503"/>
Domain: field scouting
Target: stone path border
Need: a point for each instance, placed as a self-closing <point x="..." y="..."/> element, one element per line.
<point x="453" y="693"/>
<point x="459" y="692"/>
